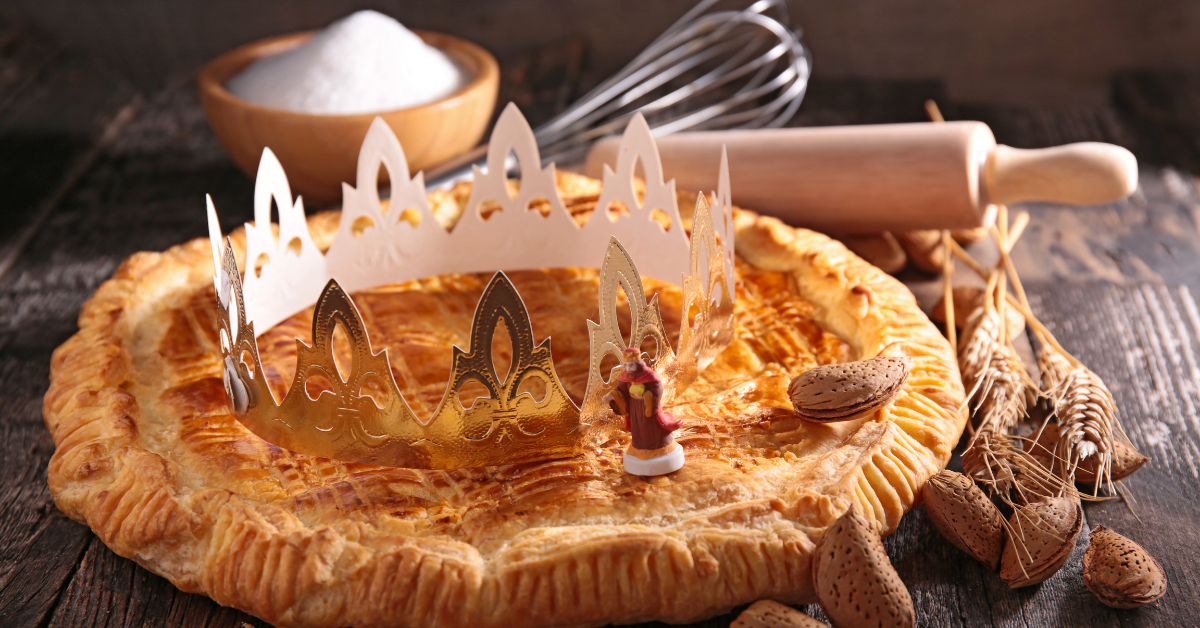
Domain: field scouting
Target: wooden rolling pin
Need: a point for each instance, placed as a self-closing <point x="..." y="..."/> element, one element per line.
<point x="895" y="177"/>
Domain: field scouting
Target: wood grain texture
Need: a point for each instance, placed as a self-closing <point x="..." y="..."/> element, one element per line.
<point x="25" y="55"/>
<point x="856" y="179"/>
<point x="108" y="591"/>
<point x="1144" y="340"/>
<point x="1150" y="236"/>
<point x="39" y="546"/>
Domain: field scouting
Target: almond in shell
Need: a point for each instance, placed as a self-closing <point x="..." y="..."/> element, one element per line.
<point x="1125" y="459"/>
<point x="965" y="516"/>
<point x="855" y="582"/>
<point x="881" y="249"/>
<point x="772" y="614"/>
<point x="969" y="236"/>
<point x="1120" y="572"/>
<point x="924" y="249"/>
<point x="839" y="392"/>
<point x="1041" y="537"/>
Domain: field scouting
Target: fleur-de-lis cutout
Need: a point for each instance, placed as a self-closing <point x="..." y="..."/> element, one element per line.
<point x="346" y="415"/>
<point x="506" y="414"/>
<point x="348" y="424"/>
<point x="512" y="133"/>
<point x="290" y="269"/>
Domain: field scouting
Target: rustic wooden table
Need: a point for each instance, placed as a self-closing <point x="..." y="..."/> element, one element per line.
<point x="91" y="171"/>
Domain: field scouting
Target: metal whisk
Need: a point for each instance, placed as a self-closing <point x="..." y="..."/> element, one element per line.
<point x="712" y="69"/>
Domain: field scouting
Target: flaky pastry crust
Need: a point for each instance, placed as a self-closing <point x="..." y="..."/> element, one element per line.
<point x="149" y="457"/>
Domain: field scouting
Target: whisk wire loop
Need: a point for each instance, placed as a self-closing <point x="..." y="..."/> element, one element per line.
<point x="712" y="69"/>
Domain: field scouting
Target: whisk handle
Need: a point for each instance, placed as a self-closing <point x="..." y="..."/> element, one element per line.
<point x="893" y="177"/>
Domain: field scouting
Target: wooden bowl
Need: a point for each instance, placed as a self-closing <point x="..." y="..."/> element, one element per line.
<point x="320" y="151"/>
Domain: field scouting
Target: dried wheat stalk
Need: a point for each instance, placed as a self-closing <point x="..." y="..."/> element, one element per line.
<point x="1006" y="391"/>
<point x="1086" y="411"/>
<point x="992" y="373"/>
<point x="1052" y="367"/>
<point x="1002" y="392"/>
<point x="1085" y="415"/>
<point x="1083" y="407"/>
<point x="948" y="285"/>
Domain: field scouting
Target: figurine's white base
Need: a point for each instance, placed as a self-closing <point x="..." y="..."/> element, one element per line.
<point x="659" y="465"/>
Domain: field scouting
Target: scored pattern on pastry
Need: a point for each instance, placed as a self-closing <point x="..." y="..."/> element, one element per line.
<point x="361" y="416"/>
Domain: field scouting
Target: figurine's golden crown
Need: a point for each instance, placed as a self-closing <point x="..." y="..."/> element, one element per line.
<point x="287" y="272"/>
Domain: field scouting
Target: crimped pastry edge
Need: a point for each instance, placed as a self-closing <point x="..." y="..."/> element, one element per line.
<point x="259" y="558"/>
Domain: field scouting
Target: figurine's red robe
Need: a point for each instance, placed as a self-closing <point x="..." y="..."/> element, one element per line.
<point x="649" y="432"/>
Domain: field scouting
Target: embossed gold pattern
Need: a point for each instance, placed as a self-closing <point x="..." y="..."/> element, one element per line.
<point x="506" y="427"/>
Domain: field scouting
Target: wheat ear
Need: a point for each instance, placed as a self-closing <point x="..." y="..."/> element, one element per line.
<point x="1083" y="406"/>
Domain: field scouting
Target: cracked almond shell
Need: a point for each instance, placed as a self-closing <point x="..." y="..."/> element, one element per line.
<point x="855" y="582"/>
<point x="772" y="614"/>
<point x="1119" y="572"/>
<point x="965" y="516"/>
<point x="839" y="392"/>
<point x="1041" y="537"/>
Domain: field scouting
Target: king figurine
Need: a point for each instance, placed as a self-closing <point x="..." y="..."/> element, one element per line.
<point x="638" y="398"/>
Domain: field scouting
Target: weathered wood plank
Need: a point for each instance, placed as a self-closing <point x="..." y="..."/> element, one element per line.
<point x="39" y="546"/>
<point x="52" y="106"/>
<point x="1150" y="236"/>
<point x="108" y="591"/>
<point x="45" y="127"/>
<point x="1143" y="340"/>
<point x="25" y="55"/>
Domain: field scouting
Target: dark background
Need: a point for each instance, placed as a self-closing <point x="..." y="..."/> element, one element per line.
<point x="1017" y="51"/>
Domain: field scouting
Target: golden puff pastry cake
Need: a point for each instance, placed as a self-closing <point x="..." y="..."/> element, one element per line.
<point x="149" y="456"/>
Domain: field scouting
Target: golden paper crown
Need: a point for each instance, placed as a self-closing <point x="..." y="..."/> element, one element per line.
<point x="374" y="247"/>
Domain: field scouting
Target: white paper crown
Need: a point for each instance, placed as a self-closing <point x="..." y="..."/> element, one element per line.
<point x="375" y="246"/>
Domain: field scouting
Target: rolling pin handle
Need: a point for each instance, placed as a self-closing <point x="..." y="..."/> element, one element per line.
<point x="1086" y="173"/>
